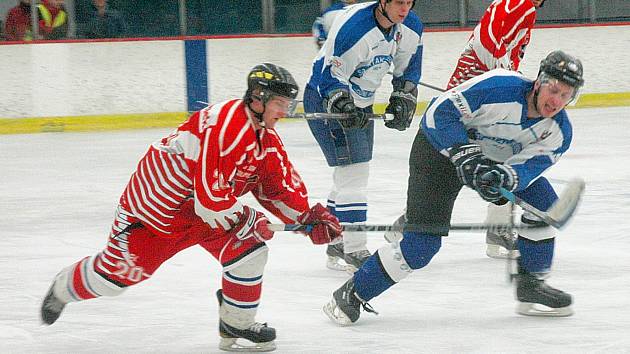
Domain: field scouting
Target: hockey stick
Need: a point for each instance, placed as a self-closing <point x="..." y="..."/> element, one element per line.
<point x="432" y="87"/>
<point x="337" y="116"/>
<point x="436" y="88"/>
<point x="407" y="227"/>
<point x="561" y="211"/>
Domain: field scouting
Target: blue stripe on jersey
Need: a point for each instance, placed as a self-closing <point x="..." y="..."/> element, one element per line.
<point x="413" y="72"/>
<point x="354" y="29"/>
<point x="531" y="169"/>
<point x="449" y="131"/>
<point x="497" y="89"/>
<point x="567" y="131"/>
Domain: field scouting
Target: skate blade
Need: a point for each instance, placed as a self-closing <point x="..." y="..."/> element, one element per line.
<point x="533" y="309"/>
<point x="335" y="314"/>
<point x="243" y="345"/>
<point x="333" y="263"/>
<point x="498" y="252"/>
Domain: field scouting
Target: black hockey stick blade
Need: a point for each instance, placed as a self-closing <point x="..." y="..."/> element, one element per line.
<point x="337" y="116"/>
<point x="408" y="227"/>
<point x="561" y="211"/>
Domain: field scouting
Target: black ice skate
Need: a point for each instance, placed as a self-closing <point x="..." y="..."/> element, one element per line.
<point x="539" y="299"/>
<point x="256" y="338"/>
<point x="334" y="255"/>
<point x="345" y="306"/>
<point x="51" y="307"/>
<point x="501" y="243"/>
<point x="355" y="260"/>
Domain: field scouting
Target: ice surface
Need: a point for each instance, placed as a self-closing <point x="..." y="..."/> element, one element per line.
<point x="58" y="193"/>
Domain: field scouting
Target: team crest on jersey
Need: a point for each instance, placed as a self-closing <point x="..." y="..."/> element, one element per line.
<point x="544" y="135"/>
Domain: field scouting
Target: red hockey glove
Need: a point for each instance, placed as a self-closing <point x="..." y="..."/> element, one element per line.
<point x="252" y="223"/>
<point x="326" y="227"/>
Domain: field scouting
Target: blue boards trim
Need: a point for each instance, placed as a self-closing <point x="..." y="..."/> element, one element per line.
<point x="196" y="74"/>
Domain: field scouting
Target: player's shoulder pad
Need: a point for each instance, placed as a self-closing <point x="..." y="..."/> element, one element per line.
<point x="414" y="23"/>
<point x="359" y="20"/>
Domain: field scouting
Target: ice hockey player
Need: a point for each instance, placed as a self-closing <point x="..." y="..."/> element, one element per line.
<point x="185" y="192"/>
<point x="498" y="41"/>
<point x="323" y="22"/>
<point x="365" y="41"/>
<point x="496" y="130"/>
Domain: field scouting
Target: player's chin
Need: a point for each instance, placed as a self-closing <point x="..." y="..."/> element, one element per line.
<point x="549" y="112"/>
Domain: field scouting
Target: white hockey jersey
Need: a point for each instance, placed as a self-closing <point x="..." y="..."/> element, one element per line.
<point x="324" y="22"/>
<point x="357" y="54"/>
<point x="491" y="110"/>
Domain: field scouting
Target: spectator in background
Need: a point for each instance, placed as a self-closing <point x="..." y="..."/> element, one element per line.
<point x="18" y="22"/>
<point x="322" y="24"/>
<point x="104" y="22"/>
<point x="53" y="19"/>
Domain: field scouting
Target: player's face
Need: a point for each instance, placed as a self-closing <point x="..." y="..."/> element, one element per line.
<point x="277" y="107"/>
<point x="553" y="96"/>
<point x="397" y="10"/>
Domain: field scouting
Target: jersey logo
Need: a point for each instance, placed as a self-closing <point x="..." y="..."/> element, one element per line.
<point x="544" y="135"/>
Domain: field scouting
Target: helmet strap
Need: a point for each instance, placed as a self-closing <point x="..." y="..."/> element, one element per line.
<point x="384" y="12"/>
<point x="259" y="115"/>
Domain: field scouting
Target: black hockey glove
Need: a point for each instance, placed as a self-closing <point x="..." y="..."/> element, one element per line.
<point x="488" y="180"/>
<point x="466" y="158"/>
<point x="340" y="101"/>
<point x="402" y="104"/>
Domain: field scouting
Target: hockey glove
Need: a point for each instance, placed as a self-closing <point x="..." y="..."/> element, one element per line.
<point x="402" y="104"/>
<point x="489" y="179"/>
<point x="340" y="101"/>
<point x="326" y="227"/>
<point x="252" y="223"/>
<point x="466" y="158"/>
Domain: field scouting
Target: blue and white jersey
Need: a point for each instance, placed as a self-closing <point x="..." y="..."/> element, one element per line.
<point x="491" y="110"/>
<point x="358" y="54"/>
<point x="324" y="22"/>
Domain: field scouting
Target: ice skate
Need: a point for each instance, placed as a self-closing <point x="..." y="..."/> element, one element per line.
<point x="335" y="255"/>
<point x="539" y="299"/>
<point x="51" y="307"/>
<point x="258" y="337"/>
<point x="501" y="244"/>
<point x="354" y="260"/>
<point x="345" y="306"/>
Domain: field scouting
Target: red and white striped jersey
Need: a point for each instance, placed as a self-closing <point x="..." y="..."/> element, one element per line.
<point x="498" y="41"/>
<point x="214" y="157"/>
